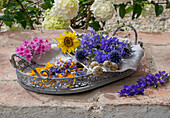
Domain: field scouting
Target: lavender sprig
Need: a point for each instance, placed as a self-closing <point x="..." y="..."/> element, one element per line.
<point x="149" y="80"/>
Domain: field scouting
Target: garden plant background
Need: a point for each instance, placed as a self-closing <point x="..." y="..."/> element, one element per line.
<point x="29" y="14"/>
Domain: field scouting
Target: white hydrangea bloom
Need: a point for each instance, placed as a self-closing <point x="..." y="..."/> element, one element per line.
<point x="66" y="9"/>
<point x="1" y="4"/>
<point x="119" y="1"/>
<point x="14" y="27"/>
<point x="148" y="10"/>
<point x="54" y="22"/>
<point x="102" y="10"/>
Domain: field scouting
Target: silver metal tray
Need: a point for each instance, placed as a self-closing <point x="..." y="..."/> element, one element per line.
<point x="77" y="84"/>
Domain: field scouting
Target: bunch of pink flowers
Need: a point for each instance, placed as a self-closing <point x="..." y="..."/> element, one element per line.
<point x="33" y="49"/>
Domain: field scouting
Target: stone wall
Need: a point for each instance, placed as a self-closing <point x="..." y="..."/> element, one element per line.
<point x="144" y="24"/>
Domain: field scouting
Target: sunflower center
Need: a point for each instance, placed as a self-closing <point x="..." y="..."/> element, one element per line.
<point x="68" y="41"/>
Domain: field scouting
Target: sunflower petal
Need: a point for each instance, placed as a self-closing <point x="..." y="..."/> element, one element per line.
<point x="64" y="49"/>
<point x="61" y="38"/>
<point x="76" y="43"/>
<point x="71" y="49"/>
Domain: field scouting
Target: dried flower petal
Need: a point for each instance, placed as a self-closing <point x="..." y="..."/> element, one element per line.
<point x="93" y="64"/>
<point x="97" y="70"/>
<point x="107" y="64"/>
<point x="114" y="67"/>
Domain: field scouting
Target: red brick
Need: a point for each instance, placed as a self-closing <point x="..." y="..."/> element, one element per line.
<point x="7" y="72"/>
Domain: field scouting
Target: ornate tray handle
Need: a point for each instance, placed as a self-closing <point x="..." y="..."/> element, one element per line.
<point x="13" y="62"/>
<point x="136" y="36"/>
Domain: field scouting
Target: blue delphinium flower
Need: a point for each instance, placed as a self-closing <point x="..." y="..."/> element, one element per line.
<point x="100" y="56"/>
<point x="93" y="41"/>
<point x="149" y="80"/>
<point x="115" y="56"/>
<point x="80" y="55"/>
<point x="89" y="41"/>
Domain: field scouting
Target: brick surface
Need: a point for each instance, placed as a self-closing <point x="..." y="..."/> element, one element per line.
<point x="161" y="57"/>
<point x="147" y="38"/>
<point x="12" y="94"/>
<point x="7" y="72"/>
<point x="16" y="37"/>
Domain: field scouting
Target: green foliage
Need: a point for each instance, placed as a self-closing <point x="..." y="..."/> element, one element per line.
<point x="81" y="21"/>
<point x="29" y="12"/>
<point x="158" y="9"/>
<point x="47" y="4"/>
<point x="24" y="12"/>
<point x="137" y="10"/>
<point x="122" y="10"/>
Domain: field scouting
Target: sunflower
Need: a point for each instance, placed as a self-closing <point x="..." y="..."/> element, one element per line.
<point x="68" y="42"/>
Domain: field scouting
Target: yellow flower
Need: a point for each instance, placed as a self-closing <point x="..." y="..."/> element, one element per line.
<point x="68" y="42"/>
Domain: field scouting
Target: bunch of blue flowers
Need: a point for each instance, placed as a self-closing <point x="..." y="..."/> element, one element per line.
<point x="149" y="80"/>
<point x="102" y="48"/>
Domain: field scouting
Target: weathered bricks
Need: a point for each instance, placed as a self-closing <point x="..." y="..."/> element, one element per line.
<point x="101" y="102"/>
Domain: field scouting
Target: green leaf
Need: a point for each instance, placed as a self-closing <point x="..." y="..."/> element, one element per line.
<point x="122" y="10"/>
<point x="167" y="4"/>
<point x="158" y="9"/>
<point x="46" y="5"/>
<point x="24" y="24"/>
<point x="95" y="25"/>
<point x="129" y="9"/>
<point x="116" y="6"/>
<point x="136" y="11"/>
<point x="87" y="1"/>
<point x="8" y="23"/>
<point x="19" y="16"/>
<point x="7" y="17"/>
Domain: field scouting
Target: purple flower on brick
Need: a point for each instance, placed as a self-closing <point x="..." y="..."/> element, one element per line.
<point x="149" y="80"/>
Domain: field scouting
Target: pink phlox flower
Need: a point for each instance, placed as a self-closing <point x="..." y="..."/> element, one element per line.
<point x="29" y="57"/>
<point x="17" y="50"/>
<point x="21" y="53"/>
<point x="48" y="46"/>
<point x="22" y="48"/>
<point x="25" y="43"/>
<point x="43" y="47"/>
<point x="36" y="39"/>
<point x="31" y="43"/>
<point x="27" y="51"/>
<point x="41" y="40"/>
<point x="46" y="40"/>
<point x="34" y="47"/>
<point x="38" y="50"/>
<point x="43" y="51"/>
